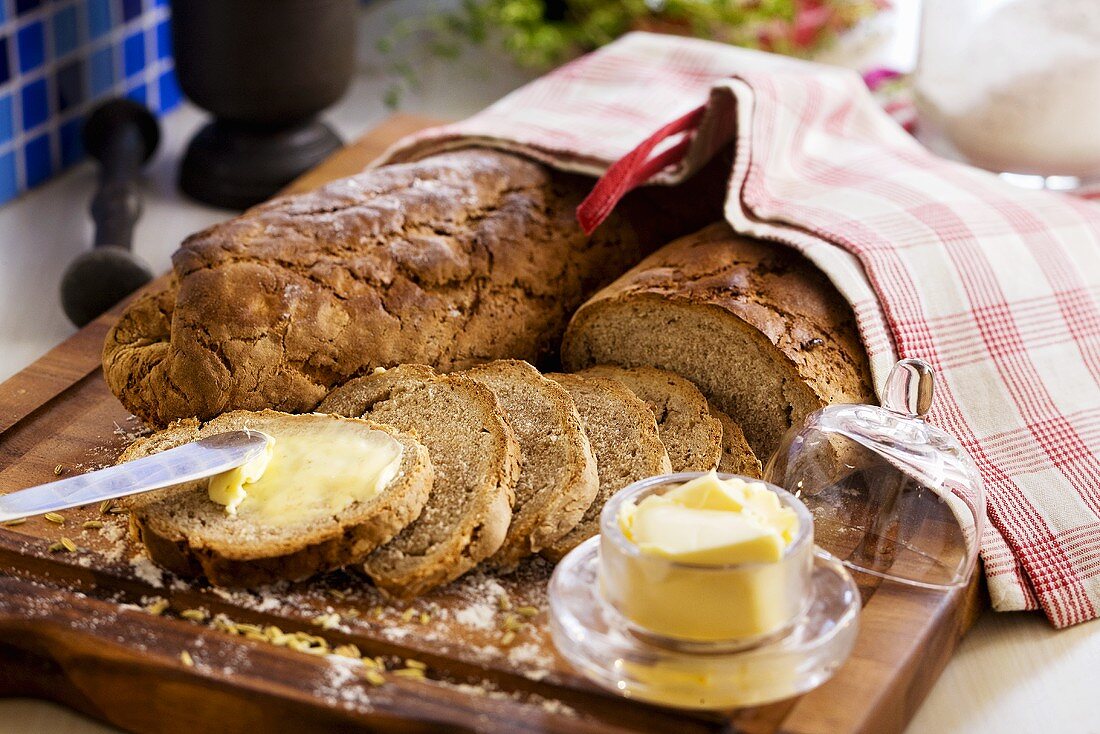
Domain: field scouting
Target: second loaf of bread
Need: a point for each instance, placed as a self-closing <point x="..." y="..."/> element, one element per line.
<point x="754" y="325"/>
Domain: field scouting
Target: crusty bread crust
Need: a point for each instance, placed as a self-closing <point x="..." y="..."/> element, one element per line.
<point x="706" y="300"/>
<point x="624" y="438"/>
<point x="692" y="436"/>
<point x="475" y="456"/>
<point x="186" y="533"/>
<point x="558" y="478"/>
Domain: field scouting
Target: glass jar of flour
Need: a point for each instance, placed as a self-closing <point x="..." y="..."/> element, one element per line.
<point x="1013" y="86"/>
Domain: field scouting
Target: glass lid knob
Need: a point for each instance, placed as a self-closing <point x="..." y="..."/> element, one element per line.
<point x="910" y="388"/>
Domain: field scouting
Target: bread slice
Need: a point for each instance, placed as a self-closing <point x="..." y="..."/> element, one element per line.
<point x="737" y="455"/>
<point x="475" y="456"/>
<point x="557" y="475"/>
<point x="756" y="327"/>
<point x="191" y="536"/>
<point x="692" y="436"/>
<point x="624" y="437"/>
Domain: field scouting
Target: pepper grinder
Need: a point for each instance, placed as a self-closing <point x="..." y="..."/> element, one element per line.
<point x="264" y="69"/>
<point x="121" y="135"/>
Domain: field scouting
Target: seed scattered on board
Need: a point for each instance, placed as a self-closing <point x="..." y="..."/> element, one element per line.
<point x="65" y="545"/>
<point x="157" y="607"/>
<point x="373" y="667"/>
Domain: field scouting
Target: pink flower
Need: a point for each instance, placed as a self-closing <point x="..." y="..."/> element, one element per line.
<point x="811" y="17"/>
<point x="875" y="78"/>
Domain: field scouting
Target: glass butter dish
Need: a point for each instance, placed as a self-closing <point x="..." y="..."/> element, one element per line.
<point x="701" y="636"/>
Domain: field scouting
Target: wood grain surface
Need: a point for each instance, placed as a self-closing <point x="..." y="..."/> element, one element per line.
<point x="101" y="629"/>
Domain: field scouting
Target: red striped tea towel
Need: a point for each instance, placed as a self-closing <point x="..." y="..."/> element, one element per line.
<point x="996" y="287"/>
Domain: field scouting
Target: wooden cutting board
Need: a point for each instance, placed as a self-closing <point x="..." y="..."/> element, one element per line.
<point x="101" y="629"/>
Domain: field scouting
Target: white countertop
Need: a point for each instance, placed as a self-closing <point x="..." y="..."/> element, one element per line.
<point x="1012" y="673"/>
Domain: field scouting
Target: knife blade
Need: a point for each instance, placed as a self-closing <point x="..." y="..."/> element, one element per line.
<point x="187" y="463"/>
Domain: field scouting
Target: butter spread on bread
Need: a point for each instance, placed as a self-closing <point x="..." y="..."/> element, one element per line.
<point x="315" y="474"/>
<point x="228" y="488"/>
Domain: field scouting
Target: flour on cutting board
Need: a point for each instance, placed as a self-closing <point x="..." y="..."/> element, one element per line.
<point x="147" y="571"/>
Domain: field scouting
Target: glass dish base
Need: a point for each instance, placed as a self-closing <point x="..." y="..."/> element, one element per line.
<point x="600" y="643"/>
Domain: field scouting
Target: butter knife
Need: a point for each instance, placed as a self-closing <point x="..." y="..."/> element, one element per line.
<point x="196" y="460"/>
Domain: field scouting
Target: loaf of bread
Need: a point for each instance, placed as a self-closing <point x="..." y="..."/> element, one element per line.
<point x="450" y="261"/>
<point x="761" y="331"/>
<point x="188" y="534"/>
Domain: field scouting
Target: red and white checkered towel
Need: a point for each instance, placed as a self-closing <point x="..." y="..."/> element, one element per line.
<point x="997" y="287"/>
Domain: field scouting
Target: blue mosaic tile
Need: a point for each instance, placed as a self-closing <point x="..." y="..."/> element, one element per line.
<point x="72" y="141"/>
<point x="70" y="85"/>
<point x="65" y="34"/>
<point x="9" y="182"/>
<point x="7" y="124"/>
<point x="140" y="93"/>
<point x="58" y="60"/>
<point x="164" y="40"/>
<point x="99" y="17"/>
<point x="5" y="65"/>
<point x="36" y="105"/>
<point x="36" y="160"/>
<point x="102" y="71"/>
<point x="133" y="53"/>
<point x="31" y="45"/>
<point x="130" y="10"/>
<point x="168" y="89"/>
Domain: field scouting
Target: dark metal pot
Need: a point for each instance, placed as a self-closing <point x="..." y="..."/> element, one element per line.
<point x="265" y="69"/>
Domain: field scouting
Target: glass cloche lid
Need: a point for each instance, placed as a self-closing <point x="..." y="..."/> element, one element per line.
<point x="891" y="494"/>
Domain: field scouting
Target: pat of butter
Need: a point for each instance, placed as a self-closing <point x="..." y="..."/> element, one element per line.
<point x="712" y="562"/>
<point x="304" y="475"/>
<point x="712" y="521"/>
<point x="227" y="488"/>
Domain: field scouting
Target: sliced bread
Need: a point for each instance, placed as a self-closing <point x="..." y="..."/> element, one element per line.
<point x="475" y="456"/>
<point x="624" y="438"/>
<point x="692" y="436"/>
<point x="756" y="327"/>
<point x="737" y="455"/>
<point x="190" y="535"/>
<point x="557" y="476"/>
